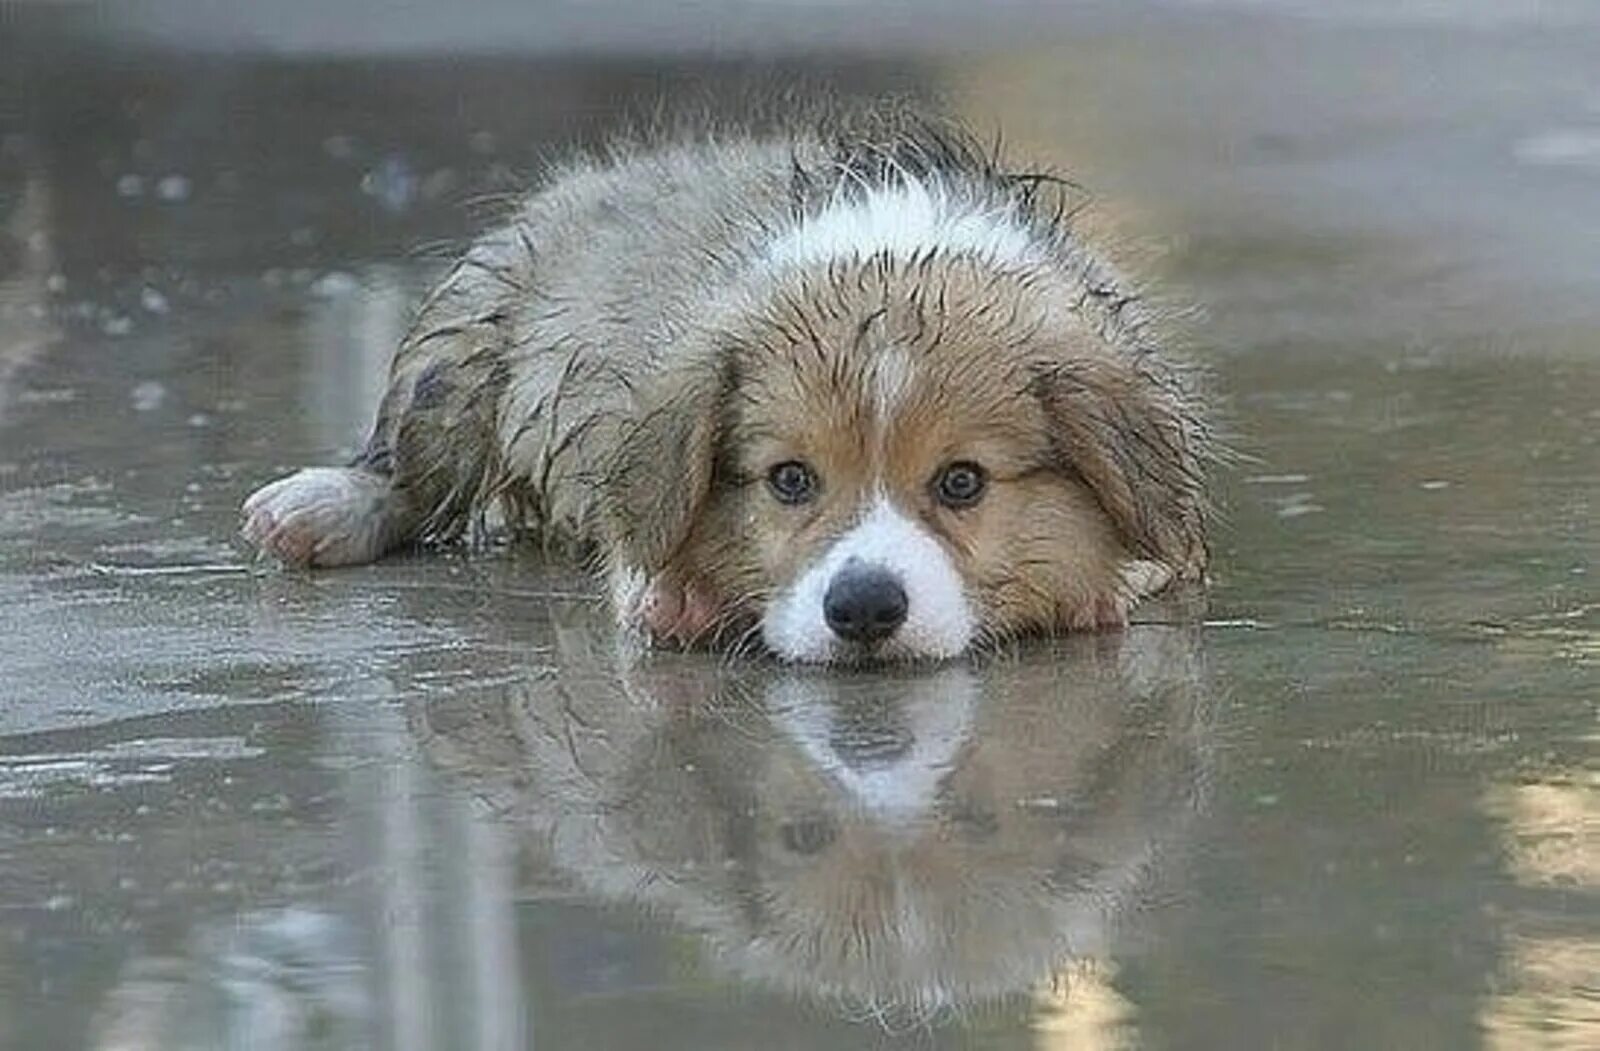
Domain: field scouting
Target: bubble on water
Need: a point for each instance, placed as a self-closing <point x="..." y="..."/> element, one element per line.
<point x="1561" y="147"/>
<point x="392" y="183"/>
<point x="1296" y="504"/>
<point x="153" y="301"/>
<point x="334" y="283"/>
<point x="439" y="183"/>
<point x="117" y="325"/>
<point x="339" y="147"/>
<point x="174" y="188"/>
<point x="56" y="284"/>
<point x="47" y="396"/>
<point x="130" y="185"/>
<point x="199" y="419"/>
<point x="148" y="395"/>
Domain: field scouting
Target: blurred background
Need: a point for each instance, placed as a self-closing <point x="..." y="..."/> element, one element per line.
<point x="1360" y="808"/>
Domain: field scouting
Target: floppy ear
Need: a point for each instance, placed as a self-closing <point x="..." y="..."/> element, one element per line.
<point x="1136" y="441"/>
<point x="660" y="473"/>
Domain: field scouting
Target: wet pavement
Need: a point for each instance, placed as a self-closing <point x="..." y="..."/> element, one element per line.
<point x="432" y="804"/>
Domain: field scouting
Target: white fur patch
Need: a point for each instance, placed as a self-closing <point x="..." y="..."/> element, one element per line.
<point x="905" y="220"/>
<point x="939" y="620"/>
<point x="891" y="377"/>
<point x="320" y="516"/>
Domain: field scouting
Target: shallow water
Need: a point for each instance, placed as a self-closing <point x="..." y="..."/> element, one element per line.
<point x="431" y="803"/>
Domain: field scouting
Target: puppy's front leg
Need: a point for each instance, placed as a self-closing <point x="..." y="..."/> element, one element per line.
<point x="432" y="458"/>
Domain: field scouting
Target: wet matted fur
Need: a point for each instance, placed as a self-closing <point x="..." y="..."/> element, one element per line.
<point x="625" y="364"/>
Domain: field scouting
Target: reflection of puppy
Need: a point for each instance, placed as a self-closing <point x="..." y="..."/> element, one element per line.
<point x="906" y="844"/>
<point x="857" y="386"/>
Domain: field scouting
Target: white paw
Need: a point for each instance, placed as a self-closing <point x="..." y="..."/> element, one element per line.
<point x="1142" y="579"/>
<point x="320" y="516"/>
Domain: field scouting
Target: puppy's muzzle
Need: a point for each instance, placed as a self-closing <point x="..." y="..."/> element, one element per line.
<point x="865" y="603"/>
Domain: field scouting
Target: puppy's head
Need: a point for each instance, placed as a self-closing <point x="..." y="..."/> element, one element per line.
<point x="896" y="459"/>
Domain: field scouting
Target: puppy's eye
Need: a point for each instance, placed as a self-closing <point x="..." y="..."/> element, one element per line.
<point x="960" y="484"/>
<point x="792" y="482"/>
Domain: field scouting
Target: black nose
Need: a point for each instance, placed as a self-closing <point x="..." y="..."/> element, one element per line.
<point x="864" y="604"/>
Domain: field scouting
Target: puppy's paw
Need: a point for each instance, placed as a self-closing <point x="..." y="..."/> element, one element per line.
<point x="1106" y="611"/>
<point x="665" y="608"/>
<point x="1142" y="578"/>
<point x="1110" y="608"/>
<point x="320" y="516"/>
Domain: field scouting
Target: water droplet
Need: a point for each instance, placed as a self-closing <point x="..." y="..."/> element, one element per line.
<point x="153" y="301"/>
<point x="1561" y="147"/>
<point x="334" y="283"/>
<point x="148" y="395"/>
<point x="339" y="147"/>
<point x="392" y="183"/>
<point x="174" y="188"/>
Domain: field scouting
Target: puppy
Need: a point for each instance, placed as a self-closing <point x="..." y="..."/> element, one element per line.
<point x="853" y="388"/>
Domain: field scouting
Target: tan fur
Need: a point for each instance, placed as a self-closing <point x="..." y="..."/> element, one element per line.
<point x="1042" y="551"/>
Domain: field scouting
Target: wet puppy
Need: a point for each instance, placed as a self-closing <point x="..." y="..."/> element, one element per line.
<point x="855" y="388"/>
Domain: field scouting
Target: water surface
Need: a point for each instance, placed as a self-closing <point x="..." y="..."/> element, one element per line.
<point x="432" y="803"/>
